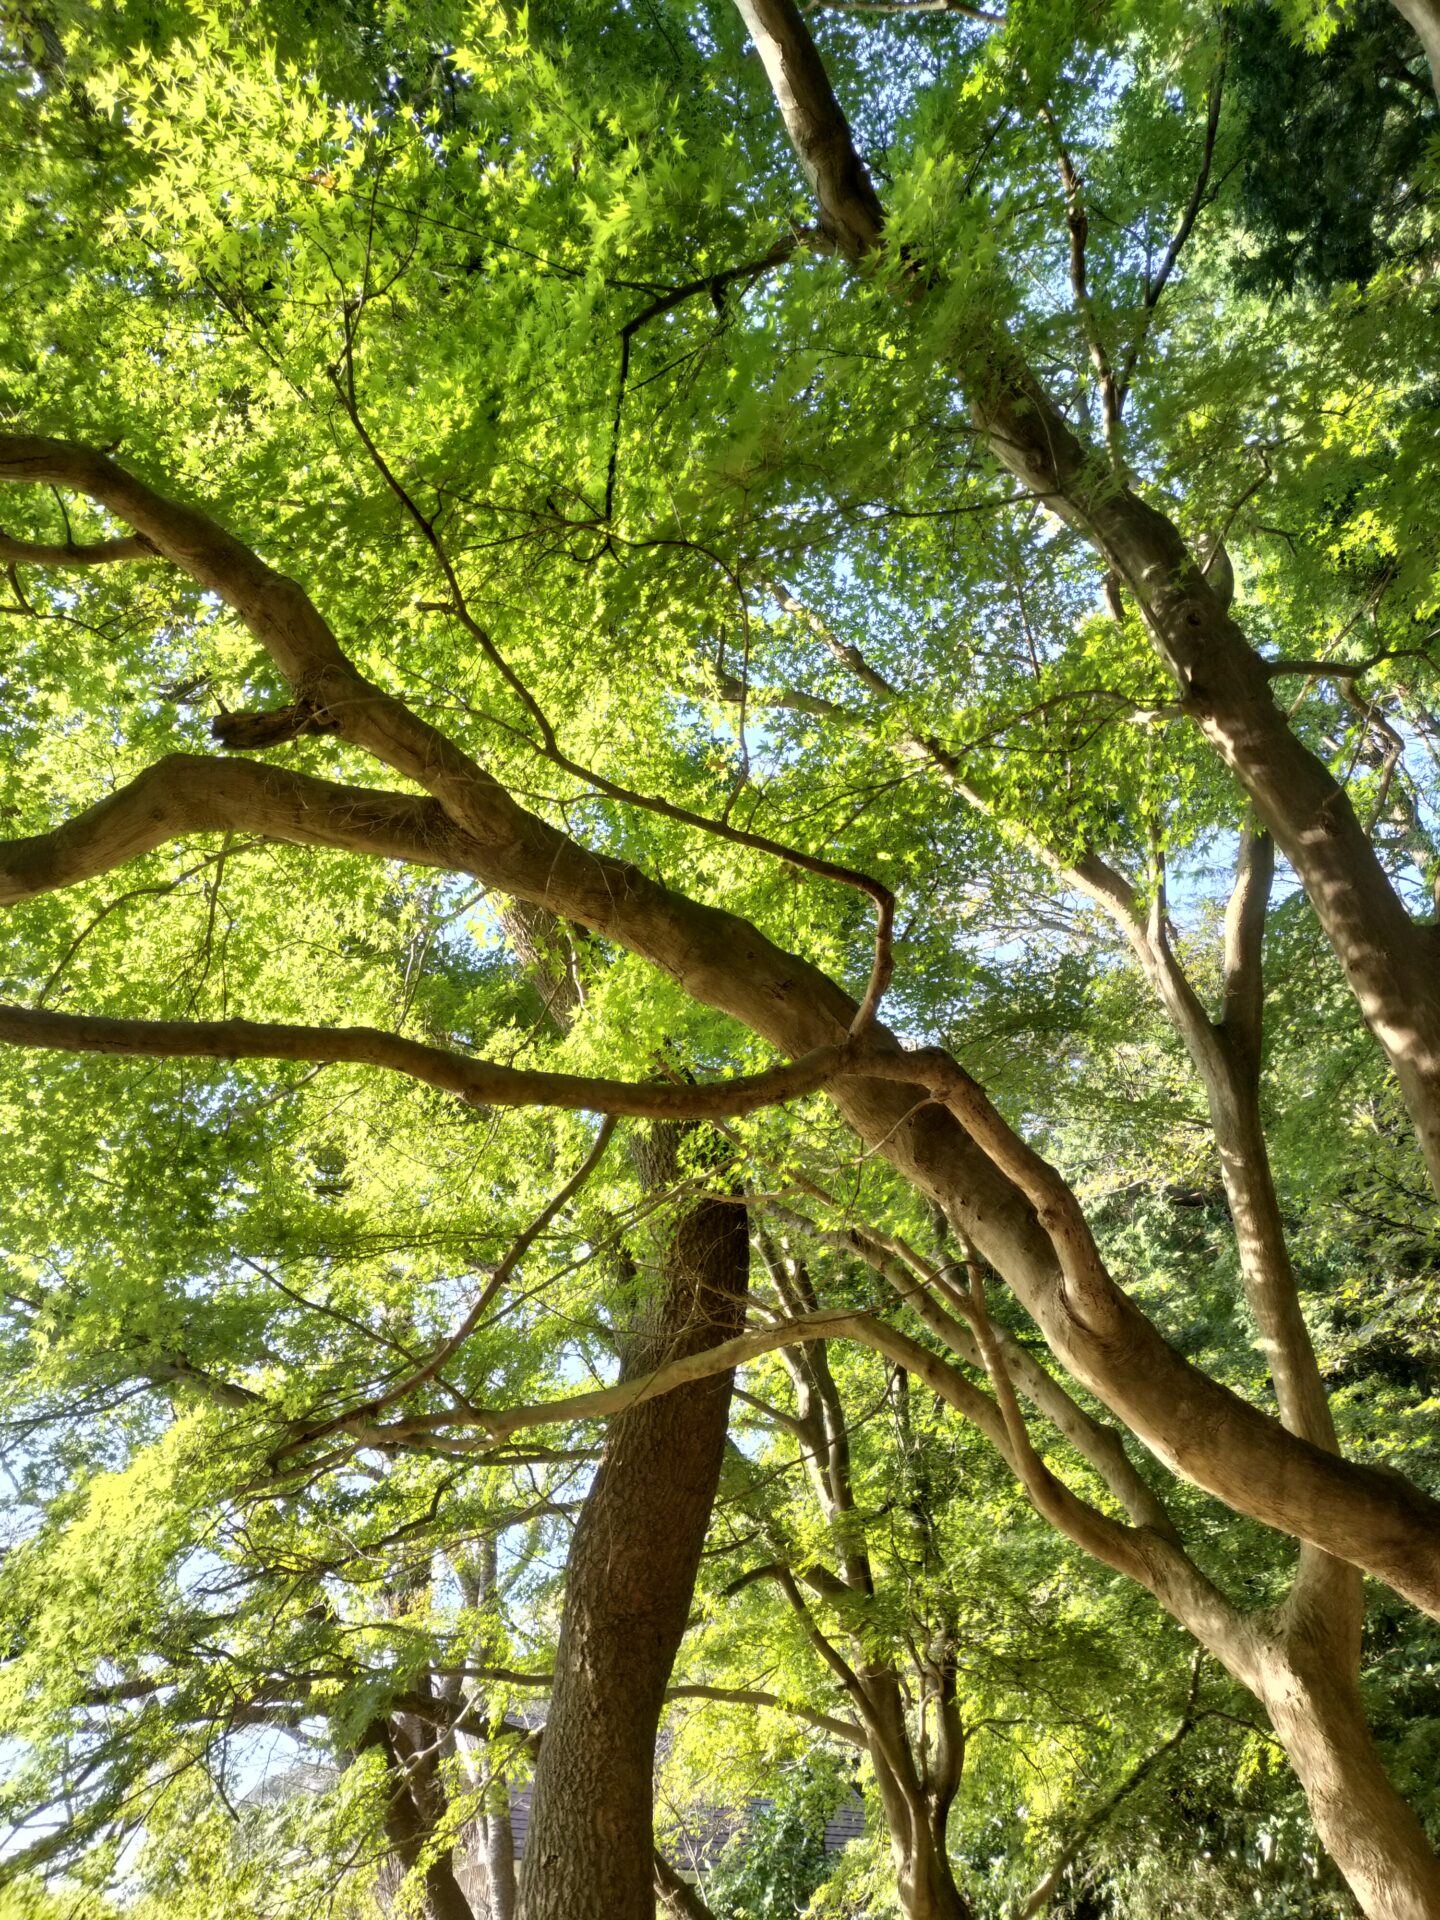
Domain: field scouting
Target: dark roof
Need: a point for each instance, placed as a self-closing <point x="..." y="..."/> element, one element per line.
<point x="847" y="1823"/>
<point x="520" y="1798"/>
<point x="705" y="1831"/>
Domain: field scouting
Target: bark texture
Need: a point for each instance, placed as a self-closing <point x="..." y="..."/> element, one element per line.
<point x="630" y="1578"/>
<point x="677" y="1897"/>
<point x="1309" y="1686"/>
<point x="1303" y="1664"/>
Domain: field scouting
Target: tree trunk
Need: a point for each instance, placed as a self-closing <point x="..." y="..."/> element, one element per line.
<point x="494" y="1840"/>
<point x="1374" y="1519"/>
<point x="1424" y="17"/>
<point x="499" y="1851"/>
<point x="590" y="1851"/>
<point x="1392" y="964"/>
<point x="1365" y="1826"/>
<point x="679" y="1899"/>
<point x="924" y="1882"/>
<point x="408" y="1829"/>
<point x="916" y="1823"/>
<point x="917" y="1788"/>
<point x="926" y="1886"/>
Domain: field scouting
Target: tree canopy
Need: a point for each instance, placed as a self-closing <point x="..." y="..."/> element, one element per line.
<point x="720" y="712"/>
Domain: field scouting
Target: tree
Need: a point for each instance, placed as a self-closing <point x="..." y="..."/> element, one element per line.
<point x="384" y="294"/>
<point x="900" y="1633"/>
<point x="630" y="1577"/>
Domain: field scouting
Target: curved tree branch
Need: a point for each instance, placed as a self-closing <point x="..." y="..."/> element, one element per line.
<point x="479" y="1082"/>
<point x="1194" y="1423"/>
<point x="845" y="1730"/>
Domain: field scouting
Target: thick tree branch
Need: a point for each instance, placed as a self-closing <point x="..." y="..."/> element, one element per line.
<point x="1243" y="1004"/>
<point x="960" y="7"/>
<point x="916" y="1282"/>
<point x="1160" y="1565"/>
<point x="1424" y="17"/>
<point x="827" y="1324"/>
<point x="189" y="793"/>
<point x="282" y="617"/>
<point x="1195" y="1424"/>
<point x="69" y="553"/>
<point x="479" y="1082"/>
<point x="1390" y="961"/>
<point x="850" y="210"/>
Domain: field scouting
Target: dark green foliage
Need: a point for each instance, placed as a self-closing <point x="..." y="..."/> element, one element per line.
<point x="1333" y="146"/>
<point x="770" y="1869"/>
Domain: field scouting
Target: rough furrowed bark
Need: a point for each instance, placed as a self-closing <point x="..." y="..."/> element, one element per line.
<point x="630" y="1579"/>
<point x="677" y="1897"/>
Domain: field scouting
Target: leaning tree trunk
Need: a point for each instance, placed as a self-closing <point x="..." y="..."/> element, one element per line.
<point x="1424" y="17"/>
<point x="589" y="1853"/>
<point x="1391" y="962"/>
<point x="1366" y="1827"/>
